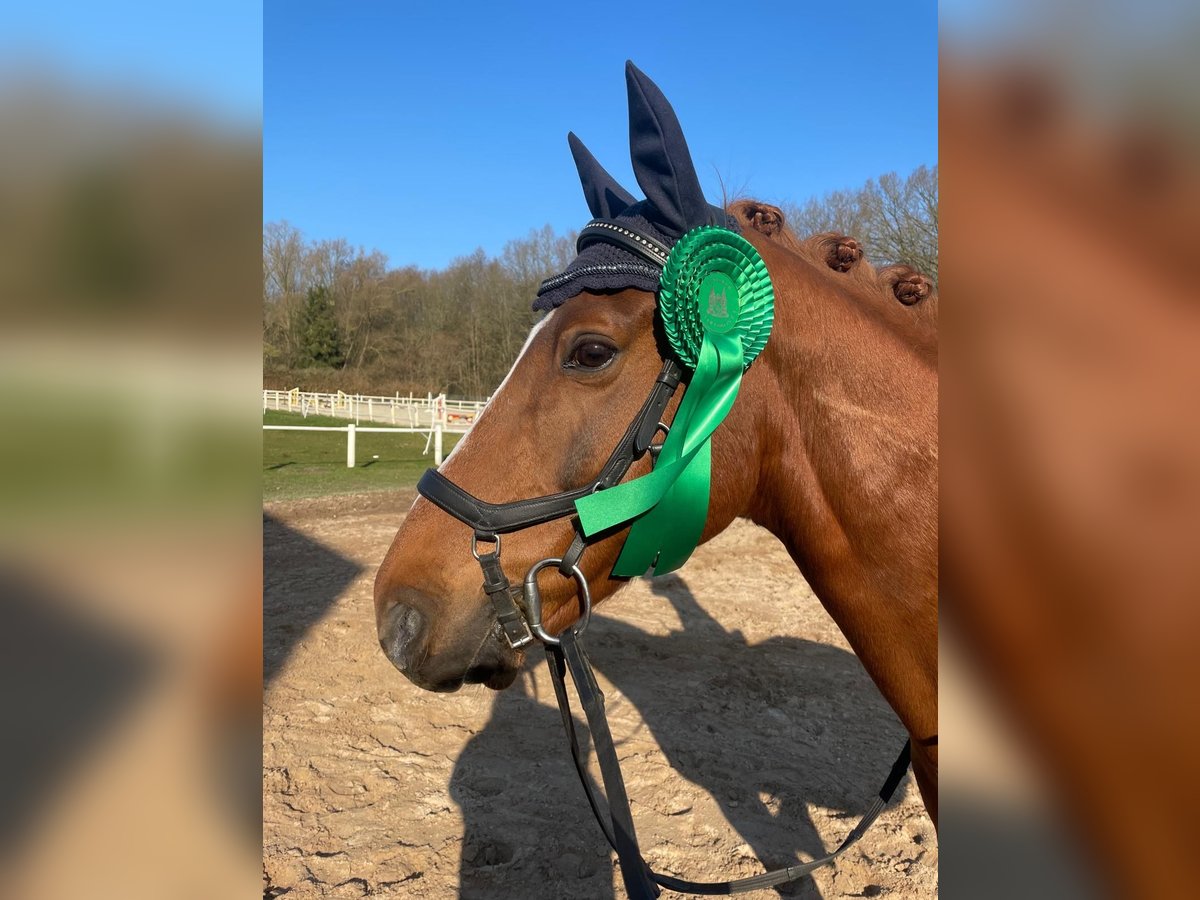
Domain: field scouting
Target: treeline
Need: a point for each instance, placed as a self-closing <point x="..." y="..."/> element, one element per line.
<point x="338" y="317"/>
<point x="330" y="306"/>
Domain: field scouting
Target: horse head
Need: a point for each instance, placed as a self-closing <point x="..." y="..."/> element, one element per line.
<point x="550" y="427"/>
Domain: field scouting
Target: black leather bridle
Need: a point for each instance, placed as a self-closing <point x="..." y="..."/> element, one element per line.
<point x="490" y="520"/>
<point x="564" y="652"/>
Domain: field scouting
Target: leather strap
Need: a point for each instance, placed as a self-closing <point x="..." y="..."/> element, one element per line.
<point x="496" y="518"/>
<point x="503" y="518"/>
<point x="500" y="591"/>
<point x="569" y="657"/>
<point x="638" y="878"/>
<point x="570" y="559"/>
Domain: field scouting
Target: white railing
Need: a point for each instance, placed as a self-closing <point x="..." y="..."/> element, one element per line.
<point x="407" y="411"/>
<point x="431" y="415"/>
<point x="351" y="430"/>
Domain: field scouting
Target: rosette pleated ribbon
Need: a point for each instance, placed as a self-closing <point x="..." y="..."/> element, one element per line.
<point x="717" y="306"/>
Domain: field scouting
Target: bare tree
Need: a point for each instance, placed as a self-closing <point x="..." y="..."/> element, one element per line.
<point x="895" y="218"/>
<point x="283" y="290"/>
<point x="283" y="256"/>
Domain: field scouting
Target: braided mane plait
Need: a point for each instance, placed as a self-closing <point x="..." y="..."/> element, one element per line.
<point x="900" y="293"/>
<point x="917" y="294"/>
<point x="831" y="250"/>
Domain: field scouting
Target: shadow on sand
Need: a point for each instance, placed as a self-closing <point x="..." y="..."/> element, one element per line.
<point x="67" y="678"/>
<point x="301" y="580"/>
<point x="765" y="729"/>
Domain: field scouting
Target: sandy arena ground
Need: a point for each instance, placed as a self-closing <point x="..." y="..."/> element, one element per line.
<point x="748" y="733"/>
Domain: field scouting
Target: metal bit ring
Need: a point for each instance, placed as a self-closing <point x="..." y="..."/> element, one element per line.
<point x="533" y="601"/>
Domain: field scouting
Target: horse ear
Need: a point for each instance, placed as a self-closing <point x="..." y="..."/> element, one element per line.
<point x="661" y="160"/>
<point x="605" y="197"/>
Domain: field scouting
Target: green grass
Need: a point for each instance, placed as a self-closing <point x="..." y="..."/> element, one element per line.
<point x="313" y="463"/>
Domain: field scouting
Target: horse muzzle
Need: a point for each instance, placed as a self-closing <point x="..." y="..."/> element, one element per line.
<point x="442" y="653"/>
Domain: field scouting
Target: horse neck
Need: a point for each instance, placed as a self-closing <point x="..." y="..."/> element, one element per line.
<point x="847" y="423"/>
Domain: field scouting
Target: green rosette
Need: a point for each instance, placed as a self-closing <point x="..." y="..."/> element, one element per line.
<point x="717" y="305"/>
<point x="712" y="271"/>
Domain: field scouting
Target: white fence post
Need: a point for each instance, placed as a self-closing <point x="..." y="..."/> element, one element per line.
<point x="439" y="423"/>
<point x="350" y="446"/>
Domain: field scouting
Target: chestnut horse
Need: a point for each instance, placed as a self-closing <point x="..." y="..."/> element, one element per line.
<point x="831" y="445"/>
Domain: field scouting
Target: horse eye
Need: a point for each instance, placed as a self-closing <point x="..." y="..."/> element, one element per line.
<point x="591" y="355"/>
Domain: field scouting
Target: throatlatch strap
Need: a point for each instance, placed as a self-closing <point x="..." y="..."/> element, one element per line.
<point x="620" y="833"/>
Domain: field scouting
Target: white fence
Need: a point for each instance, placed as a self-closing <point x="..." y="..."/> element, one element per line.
<point x="408" y="411"/>
<point x="352" y="430"/>
<point x="430" y="415"/>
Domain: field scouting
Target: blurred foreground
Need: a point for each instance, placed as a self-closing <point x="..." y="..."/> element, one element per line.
<point x="130" y="542"/>
<point x="1070" y="487"/>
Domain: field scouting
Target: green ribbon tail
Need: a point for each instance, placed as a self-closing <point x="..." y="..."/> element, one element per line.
<point x="670" y="504"/>
<point x="666" y="535"/>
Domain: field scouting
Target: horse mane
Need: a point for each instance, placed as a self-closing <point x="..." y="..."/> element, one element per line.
<point x="903" y="297"/>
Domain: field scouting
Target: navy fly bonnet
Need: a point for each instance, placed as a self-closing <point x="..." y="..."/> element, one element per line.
<point x="627" y="242"/>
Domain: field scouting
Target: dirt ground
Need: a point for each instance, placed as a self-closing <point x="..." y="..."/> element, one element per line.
<point x="748" y="732"/>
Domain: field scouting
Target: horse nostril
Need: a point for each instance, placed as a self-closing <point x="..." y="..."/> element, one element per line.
<point x="403" y="637"/>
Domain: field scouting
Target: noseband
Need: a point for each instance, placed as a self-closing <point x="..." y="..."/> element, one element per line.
<point x="522" y="623"/>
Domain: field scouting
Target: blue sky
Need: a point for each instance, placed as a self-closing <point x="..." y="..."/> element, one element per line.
<point x="427" y="130"/>
<point x="206" y="54"/>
